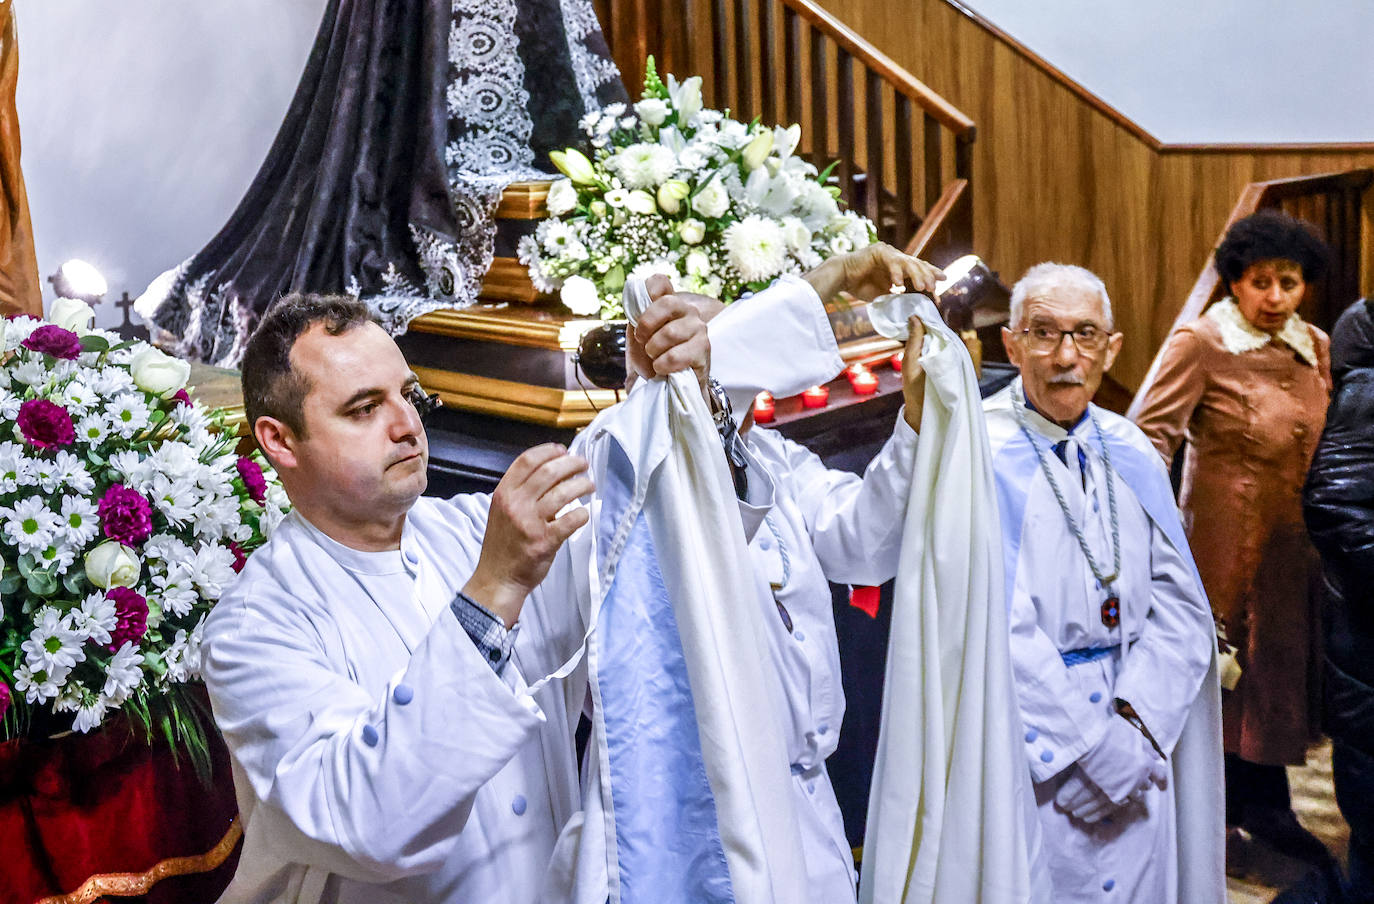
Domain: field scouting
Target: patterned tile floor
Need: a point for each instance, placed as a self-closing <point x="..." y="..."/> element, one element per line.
<point x="1315" y="804"/>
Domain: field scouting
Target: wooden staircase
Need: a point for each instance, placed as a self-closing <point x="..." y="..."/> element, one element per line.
<point x="904" y="153"/>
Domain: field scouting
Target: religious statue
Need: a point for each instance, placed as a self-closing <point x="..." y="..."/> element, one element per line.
<point x="408" y="122"/>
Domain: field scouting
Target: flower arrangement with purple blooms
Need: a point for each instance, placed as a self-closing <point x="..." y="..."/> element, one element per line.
<point x="673" y="188"/>
<point x="124" y="513"/>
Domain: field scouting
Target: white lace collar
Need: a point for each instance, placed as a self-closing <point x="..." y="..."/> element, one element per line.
<point x="1239" y="336"/>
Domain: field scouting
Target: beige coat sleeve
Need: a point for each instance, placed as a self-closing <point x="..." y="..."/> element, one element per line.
<point x="1177" y="389"/>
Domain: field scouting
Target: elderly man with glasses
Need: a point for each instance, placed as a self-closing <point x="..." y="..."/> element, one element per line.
<point x="1112" y="640"/>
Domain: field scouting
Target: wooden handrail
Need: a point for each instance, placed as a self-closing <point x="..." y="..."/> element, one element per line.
<point x="1333" y="203"/>
<point x="948" y="115"/>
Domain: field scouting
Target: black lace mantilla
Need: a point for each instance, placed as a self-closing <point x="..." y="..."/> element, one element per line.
<point x="410" y="119"/>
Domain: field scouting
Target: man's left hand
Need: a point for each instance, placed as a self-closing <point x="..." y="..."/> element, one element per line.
<point x="872" y="271"/>
<point x="671" y="336"/>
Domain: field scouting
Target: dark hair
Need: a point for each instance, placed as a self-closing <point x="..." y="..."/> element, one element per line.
<point x="270" y="386"/>
<point x="1269" y="235"/>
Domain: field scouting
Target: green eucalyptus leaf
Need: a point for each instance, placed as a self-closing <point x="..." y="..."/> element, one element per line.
<point x="42" y="584"/>
<point x="95" y="344"/>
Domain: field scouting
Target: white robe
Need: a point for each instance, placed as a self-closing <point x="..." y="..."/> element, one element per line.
<point x="1165" y="671"/>
<point x="825" y="525"/>
<point x="369" y="738"/>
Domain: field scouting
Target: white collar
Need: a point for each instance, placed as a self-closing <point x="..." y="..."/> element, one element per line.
<point x="1041" y="424"/>
<point x="1239" y="336"/>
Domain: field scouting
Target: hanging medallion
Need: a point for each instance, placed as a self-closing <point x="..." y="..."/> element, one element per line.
<point x="1111" y="612"/>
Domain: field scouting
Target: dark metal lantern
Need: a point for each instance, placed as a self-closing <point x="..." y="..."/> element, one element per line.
<point x="601" y="354"/>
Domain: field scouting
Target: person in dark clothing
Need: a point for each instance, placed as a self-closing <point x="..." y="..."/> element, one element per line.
<point x="1338" y="506"/>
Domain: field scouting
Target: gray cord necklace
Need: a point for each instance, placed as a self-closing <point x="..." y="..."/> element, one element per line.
<point x="1111" y="606"/>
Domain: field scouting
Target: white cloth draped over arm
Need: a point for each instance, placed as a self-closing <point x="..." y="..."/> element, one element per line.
<point x="786" y="315"/>
<point x="950" y="816"/>
<point x="300" y="731"/>
<point x="671" y="527"/>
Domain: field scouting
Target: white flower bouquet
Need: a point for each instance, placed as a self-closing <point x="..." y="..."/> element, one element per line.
<point x="124" y="512"/>
<point x="721" y="206"/>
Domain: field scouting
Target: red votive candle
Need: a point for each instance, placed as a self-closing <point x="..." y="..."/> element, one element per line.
<point x="764" y="408"/>
<point x="896" y="361"/>
<point x="864" y="384"/>
<point x="815" y="397"/>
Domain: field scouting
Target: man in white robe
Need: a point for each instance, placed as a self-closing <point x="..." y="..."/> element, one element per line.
<point x="1112" y="640"/>
<point x="369" y="668"/>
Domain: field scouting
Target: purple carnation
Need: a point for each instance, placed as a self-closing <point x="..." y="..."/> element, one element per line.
<point x="240" y="557"/>
<point x="253" y="481"/>
<point x="131" y="609"/>
<point x="181" y="397"/>
<point x="125" y="516"/>
<point x="45" y="424"/>
<point x="55" y="341"/>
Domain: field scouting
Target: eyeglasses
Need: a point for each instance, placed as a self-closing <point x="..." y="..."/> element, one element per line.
<point x="1088" y="339"/>
<point x="425" y="404"/>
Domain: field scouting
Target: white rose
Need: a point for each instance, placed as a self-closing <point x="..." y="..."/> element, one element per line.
<point x="71" y="314"/>
<point x="698" y="264"/>
<point x="112" y="565"/>
<point x="652" y="111"/>
<point x="579" y="296"/>
<point x="640" y="201"/>
<point x="562" y="197"/>
<point x="159" y="373"/>
<point x="712" y="201"/>
<point x="692" y="231"/>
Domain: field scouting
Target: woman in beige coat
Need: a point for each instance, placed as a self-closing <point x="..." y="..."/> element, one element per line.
<point x="1247" y="385"/>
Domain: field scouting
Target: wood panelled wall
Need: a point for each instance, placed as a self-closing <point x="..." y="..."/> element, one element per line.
<point x="1058" y="177"/>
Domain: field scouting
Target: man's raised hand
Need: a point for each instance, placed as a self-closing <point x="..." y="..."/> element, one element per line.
<point x="872" y="271"/>
<point x="524" y="530"/>
<point x="671" y="336"/>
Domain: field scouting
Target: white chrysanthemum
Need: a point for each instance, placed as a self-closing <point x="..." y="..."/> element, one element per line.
<point x="213" y="570"/>
<point x="70" y="472"/>
<point x="95" y="618"/>
<point x="133" y="467"/>
<point x="78" y="398"/>
<point x="183" y="657"/>
<point x="178" y="599"/>
<point x="53" y="645"/>
<point x="30" y="525"/>
<point x="57" y="556"/>
<point x="176" y="498"/>
<point x="128" y="413"/>
<point x="39" y="685"/>
<point x="176" y="460"/>
<point x="168" y="548"/>
<point x="218" y="518"/>
<point x="645" y="165"/>
<point x="712" y="200"/>
<point x="90" y="714"/>
<point x="16" y="469"/>
<point x="111" y="381"/>
<point x="756" y="248"/>
<point x="92" y="429"/>
<point x="9" y="405"/>
<point x="189" y="416"/>
<point x="124" y="673"/>
<point x="17" y="330"/>
<point x="33" y="372"/>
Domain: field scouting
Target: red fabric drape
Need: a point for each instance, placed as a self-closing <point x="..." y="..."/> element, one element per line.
<point x="85" y="805"/>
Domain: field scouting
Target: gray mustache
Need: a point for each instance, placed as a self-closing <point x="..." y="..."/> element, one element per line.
<point x="1070" y="378"/>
